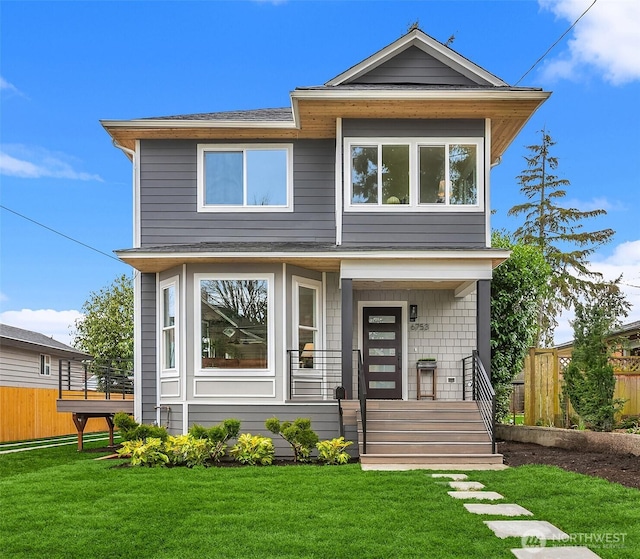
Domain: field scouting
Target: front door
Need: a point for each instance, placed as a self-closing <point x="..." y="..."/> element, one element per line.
<point x="381" y="349"/>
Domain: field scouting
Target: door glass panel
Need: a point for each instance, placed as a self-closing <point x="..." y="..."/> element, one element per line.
<point x="382" y="335"/>
<point x="389" y="384"/>
<point x="382" y="351"/>
<point x="382" y="368"/>
<point x="382" y="319"/>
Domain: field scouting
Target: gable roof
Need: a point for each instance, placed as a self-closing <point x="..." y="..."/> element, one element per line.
<point x="34" y="341"/>
<point x="425" y="52"/>
<point x="415" y="77"/>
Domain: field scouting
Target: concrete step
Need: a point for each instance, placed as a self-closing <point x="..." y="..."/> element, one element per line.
<point x="442" y="458"/>
<point x="427" y="436"/>
<point x="438" y="447"/>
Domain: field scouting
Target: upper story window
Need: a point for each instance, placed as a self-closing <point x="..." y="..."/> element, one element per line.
<point x="45" y="365"/>
<point x="251" y="177"/>
<point x="414" y="174"/>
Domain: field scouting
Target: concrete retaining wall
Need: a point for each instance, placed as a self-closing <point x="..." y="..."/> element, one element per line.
<point x="587" y="441"/>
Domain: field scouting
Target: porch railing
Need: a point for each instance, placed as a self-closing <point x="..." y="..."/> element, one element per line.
<point x="362" y="396"/>
<point x="92" y="380"/>
<point x="477" y="386"/>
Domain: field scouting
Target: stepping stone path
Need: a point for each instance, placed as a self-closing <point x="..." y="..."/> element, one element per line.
<point x="488" y="495"/>
<point x="534" y="531"/>
<point x="502" y="510"/>
<point x="466" y="485"/>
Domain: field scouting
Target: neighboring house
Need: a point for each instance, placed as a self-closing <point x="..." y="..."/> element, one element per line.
<point x="627" y="336"/>
<point x="29" y="367"/>
<point x="283" y="251"/>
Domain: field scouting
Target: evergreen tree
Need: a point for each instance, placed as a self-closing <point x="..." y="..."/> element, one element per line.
<point x="517" y="286"/>
<point x="589" y="382"/>
<point x="559" y="234"/>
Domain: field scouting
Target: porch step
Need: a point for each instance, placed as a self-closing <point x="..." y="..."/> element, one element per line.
<point x="421" y="433"/>
<point x="437" y="447"/>
<point x="448" y="414"/>
<point x="452" y="459"/>
<point x="406" y="436"/>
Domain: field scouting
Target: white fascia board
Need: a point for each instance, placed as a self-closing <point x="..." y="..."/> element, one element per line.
<point x="165" y="123"/>
<point x="419" y="95"/>
<point x="426" y="44"/>
<point x="417" y="269"/>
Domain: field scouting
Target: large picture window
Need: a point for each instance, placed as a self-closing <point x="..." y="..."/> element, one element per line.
<point x="235" y="323"/>
<point x="244" y="177"/>
<point x="414" y="174"/>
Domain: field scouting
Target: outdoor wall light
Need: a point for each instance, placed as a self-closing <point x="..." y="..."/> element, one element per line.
<point x="413" y="313"/>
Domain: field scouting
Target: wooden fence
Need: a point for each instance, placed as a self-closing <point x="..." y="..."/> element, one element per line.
<point x="543" y="377"/>
<point x="30" y="413"/>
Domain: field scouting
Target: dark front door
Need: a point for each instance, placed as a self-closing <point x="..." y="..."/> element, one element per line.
<point x="381" y="345"/>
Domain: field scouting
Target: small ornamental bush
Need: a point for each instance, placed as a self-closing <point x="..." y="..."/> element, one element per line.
<point x="332" y="451"/>
<point x="150" y="453"/>
<point x="217" y="436"/>
<point x="297" y="433"/>
<point x="253" y="450"/>
<point x="131" y="430"/>
<point x="185" y="450"/>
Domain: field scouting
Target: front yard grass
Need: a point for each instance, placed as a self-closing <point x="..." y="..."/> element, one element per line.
<point x="74" y="507"/>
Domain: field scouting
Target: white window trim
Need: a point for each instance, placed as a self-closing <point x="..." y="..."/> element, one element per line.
<point x="234" y="374"/>
<point x="174" y="371"/>
<point x="226" y="208"/>
<point x="317" y="287"/>
<point x="45" y="365"/>
<point x="414" y="175"/>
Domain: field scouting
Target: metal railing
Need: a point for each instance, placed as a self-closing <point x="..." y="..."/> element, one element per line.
<point x="92" y="380"/>
<point x="477" y="385"/>
<point x="314" y="374"/>
<point x="362" y="397"/>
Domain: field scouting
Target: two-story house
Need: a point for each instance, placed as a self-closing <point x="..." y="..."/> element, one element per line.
<point x="333" y="243"/>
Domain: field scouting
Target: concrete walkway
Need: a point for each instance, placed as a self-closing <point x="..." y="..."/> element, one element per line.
<point x="534" y="534"/>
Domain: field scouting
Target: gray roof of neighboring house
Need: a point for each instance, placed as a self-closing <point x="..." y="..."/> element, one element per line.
<point x="18" y="337"/>
<point x="624" y="329"/>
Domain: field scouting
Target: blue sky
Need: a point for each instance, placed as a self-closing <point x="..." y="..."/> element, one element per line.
<point x="65" y="65"/>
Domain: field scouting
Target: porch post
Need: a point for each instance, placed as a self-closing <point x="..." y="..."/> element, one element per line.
<point x="347" y="336"/>
<point x="483" y="323"/>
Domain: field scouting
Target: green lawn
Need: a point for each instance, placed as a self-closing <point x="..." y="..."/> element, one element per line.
<point x="56" y="503"/>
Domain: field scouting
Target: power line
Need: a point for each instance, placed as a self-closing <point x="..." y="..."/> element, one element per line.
<point x="61" y="234"/>
<point x="554" y="44"/>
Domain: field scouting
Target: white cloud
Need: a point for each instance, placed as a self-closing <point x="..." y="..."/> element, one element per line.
<point x="34" y="163"/>
<point x="56" y="324"/>
<point x="8" y="87"/>
<point x="598" y="203"/>
<point x="624" y="261"/>
<point x="606" y="38"/>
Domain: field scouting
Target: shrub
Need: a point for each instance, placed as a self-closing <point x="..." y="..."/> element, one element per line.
<point x="149" y="453"/>
<point x="131" y="430"/>
<point x="188" y="450"/>
<point x="253" y="449"/>
<point x="332" y="451"/>
<point x="297" y="433"/>
<point x="217" y="435"/>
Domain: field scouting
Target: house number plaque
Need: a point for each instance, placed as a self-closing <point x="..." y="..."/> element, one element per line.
<point x="418" y="326"/>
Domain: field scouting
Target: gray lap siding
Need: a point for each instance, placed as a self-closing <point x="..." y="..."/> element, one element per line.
<point x="168" y="199"/>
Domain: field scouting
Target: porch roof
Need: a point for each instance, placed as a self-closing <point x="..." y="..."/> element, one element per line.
<point x="322" y="257"/>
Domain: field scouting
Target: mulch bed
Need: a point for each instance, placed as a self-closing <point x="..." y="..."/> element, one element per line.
<point x="619" y="468"/>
